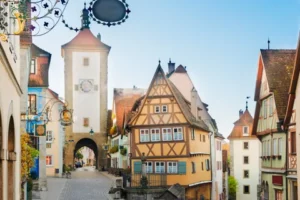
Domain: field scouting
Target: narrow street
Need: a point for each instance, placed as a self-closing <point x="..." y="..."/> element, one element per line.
<point x="86" y="183"/>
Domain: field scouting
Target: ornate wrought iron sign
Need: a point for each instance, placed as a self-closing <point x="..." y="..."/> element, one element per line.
<point x="66" y="117"/>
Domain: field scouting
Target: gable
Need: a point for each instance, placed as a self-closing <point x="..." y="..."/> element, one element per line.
<point x="264" y="86"/>
<point x="159" y="86"/>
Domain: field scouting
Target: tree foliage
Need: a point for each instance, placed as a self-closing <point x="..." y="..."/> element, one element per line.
<point x="28" y="154"/>
<point x="78" y="155"/>
<point x="232" y="187"/>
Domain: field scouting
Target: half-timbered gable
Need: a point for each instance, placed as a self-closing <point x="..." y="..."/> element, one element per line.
<point x="275" y="69"/>
<point x="174" y="142"/>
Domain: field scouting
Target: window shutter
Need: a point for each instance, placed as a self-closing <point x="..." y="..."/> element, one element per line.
<point x="137" y="167"/>
<point x="76" y="87"/>
<point x="96" y="87"/>
<point x="181" y="167"/>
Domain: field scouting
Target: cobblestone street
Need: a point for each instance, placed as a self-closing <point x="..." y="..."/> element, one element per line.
<point x="85" y="183"/>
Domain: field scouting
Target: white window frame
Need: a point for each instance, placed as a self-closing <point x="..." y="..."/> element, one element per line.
<point x="173" y="169"/>
<point x="271" y="106"/>
<point x="156" y="107"/>
<point x="160" y="169"/>
<point x="246" y="133"/>
<point x="247" y="145"/>
<point x="280" y="146"/>
<point x="47" y="136"/>
<point x="177" y="133"/>
<point x="144" y="137"/>
<point x="149" y="167"/>
<point x="155" y="136"/>
<point x="269" y="146"/>
<point x="275" y="147"/>
<point x="164" y="107"/>
<point x="33" y="66"/>
<point x="166" y="138"/>
<point x="265" y="109"/>
<point x="193" y="134"/>
<point x="51" y="160"/>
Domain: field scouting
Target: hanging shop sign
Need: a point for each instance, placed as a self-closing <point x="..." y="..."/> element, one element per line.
<point x="66" y="117"/>
<point x="40" y="130"/>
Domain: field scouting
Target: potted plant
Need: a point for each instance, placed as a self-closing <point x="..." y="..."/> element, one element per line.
<point x="114" y="149"/>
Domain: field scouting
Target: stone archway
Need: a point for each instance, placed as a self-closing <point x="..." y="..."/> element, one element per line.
<point x="11" y="159"/>
<point x="86" y="142"/>
<point x="1" y="172"/>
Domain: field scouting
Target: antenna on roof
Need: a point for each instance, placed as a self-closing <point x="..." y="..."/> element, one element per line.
<point x="269" y="43"/>
<point x="247" y="102"/>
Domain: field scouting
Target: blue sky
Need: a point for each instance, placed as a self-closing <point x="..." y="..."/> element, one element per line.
<point x="218" y="42"/>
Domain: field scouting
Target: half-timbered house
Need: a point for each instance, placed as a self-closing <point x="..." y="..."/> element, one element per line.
<point x="175" y="143"/>
<point x="275" y="68"/>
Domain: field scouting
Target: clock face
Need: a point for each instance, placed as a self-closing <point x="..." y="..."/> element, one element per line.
<point x="86" y="85"/>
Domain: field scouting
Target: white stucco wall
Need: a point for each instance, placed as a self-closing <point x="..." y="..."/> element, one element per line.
<point x="238" y="152"/>
<point x="219" y="172"/>
<point x="86" y="105"/>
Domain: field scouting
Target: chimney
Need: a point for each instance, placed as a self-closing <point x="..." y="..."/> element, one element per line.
<point x="241" y="113"/>
<point x="171" y="66"/>
<point x="99" y="36"/>
<point x="194" y="107"/>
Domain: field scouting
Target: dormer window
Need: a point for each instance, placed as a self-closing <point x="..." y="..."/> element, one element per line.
<point x="245" y="130"/>
<point x="32" y="67"/>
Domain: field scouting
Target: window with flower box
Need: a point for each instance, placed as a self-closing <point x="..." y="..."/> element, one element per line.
<point x="144" y="135"/>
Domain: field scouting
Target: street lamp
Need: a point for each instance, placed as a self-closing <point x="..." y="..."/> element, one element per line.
<point x="91" y="132"/>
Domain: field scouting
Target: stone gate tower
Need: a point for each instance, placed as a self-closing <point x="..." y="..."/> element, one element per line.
<point x="85" y="59"/>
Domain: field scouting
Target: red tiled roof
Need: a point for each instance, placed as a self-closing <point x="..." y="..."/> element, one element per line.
<point x="87" y="39"/>
<point x="245" y="120"/>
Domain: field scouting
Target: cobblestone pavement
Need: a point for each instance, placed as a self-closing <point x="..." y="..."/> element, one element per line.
<point x="85" y="184"/>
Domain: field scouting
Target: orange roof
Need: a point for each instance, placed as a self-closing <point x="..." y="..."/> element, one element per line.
<point x="245" y="120"/>
<point x="85" y="38"/>
<point x="124" y="100"/>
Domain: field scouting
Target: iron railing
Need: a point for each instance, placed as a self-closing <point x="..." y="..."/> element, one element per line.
<point x="154" y="180"/>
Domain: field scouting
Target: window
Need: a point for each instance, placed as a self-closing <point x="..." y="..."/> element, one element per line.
<point x="280" y="146"/>
<point x="275" y="150"/>
<point x="144" y="135"/>
<point x="149" y="167"/>
<point x="159" y="167"/>
<point x="245" y="131"/>
<point x="167" y="134"/>
<point x="172" y="167"/>
<point x="49" y="137"/>
<point x="246" y="173"/>
<point x="164" y="108"/>
<point x="207" y="164"/>
<point x="271" y="106"/>
<point x="177" y="134"/>
<point x="86" y="122"/>
<point x="155" y="135"/>
<point x="202" y="166"/>
<point x="32" y="67"/>
<point x="200" y="137"/>
<point x="156" y="109"/>
<point x="48" y="160"/>
<point x="193" y="134"/>
<point x="246" y="189"/>
<point x="203" y="138"/>
<point x="48" y="145"/>
<point x="193" y="167"/>
<point x="269" y="147"/>
<point x="246" y="145"/>
<point x="246" y="160"/>
<point x="278" y="194"/>
<point x="32" y="104"/>
<point x="86" y="62"/>
<point x="293" y="142"/>
<point x="265" y="108"/>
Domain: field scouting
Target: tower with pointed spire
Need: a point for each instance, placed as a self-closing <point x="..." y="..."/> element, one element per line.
<point x="86" y="58"/>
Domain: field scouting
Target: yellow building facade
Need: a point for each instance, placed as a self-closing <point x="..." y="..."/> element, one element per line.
<point x="176" y="144"/>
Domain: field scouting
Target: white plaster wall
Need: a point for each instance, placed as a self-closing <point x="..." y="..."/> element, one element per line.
<point x="57" y="134"/>
<point x="10" y="106"/>
<point x="86" y="104"/>
<point x="238" y="153"/>
<point x="219" y="173"/>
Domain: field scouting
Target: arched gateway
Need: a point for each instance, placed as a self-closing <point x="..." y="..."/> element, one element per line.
<point x="85" y="58"/>
<point x="86" y="142"/>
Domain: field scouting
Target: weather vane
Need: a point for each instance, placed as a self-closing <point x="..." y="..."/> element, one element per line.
<point x="248" y="97"/>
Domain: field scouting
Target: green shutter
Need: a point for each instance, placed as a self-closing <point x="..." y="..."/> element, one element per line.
<point x="181" y="167"/>
<point x="137" y="167"/>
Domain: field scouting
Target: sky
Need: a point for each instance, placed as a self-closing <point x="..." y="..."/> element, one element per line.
<point x="218" y="42"/>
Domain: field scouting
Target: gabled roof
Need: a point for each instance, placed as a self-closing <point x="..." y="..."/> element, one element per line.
<point x="55" y="95"/>
<point x="245" y="120"/>
<point x="85" y="38"/>
<point x="37" y="51"/>
<point x="182" y="102"/>
<point x="293" y="85"/>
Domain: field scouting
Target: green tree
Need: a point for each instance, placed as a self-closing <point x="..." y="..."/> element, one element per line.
<point x="232" y="187"/>
<point x="78" y="155"/>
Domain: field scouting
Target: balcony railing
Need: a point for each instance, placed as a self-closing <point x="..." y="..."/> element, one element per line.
<point x="154" y="180"/>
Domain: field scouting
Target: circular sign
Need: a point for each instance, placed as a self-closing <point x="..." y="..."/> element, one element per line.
<point x="109" y="10"/>
<point x="40" y="130"/>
